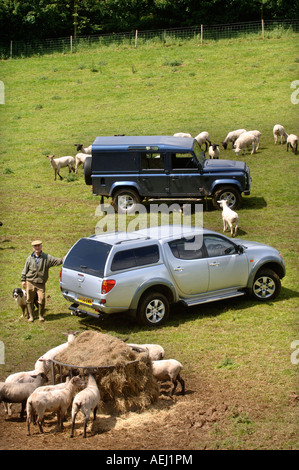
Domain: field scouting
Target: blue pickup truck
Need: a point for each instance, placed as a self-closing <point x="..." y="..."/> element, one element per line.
<point x="130" y="169"/>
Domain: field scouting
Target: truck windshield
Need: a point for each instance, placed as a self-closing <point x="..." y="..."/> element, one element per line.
<point x="88" y="256"/>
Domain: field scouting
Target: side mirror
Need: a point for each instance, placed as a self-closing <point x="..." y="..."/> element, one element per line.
<point x="240" y="249"/>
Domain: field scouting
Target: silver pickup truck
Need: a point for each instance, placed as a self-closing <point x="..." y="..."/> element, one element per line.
<point x="146" y="271"/>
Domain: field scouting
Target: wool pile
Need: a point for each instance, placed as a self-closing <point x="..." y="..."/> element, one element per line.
<point x="124" y="376"/>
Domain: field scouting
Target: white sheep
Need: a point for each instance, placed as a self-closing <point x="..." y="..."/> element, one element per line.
<point x="229" y="217"/>
<point x="214" y="151"/>
<point x="86" y="150"/>
<point x="19" y="392"/>
<point x="169" y="369"/>
<point x="232" y="137"/>
<point x="292" y="140"/>
<point x="257" y="135"/>
<point x="182" y="134"/>
<point x="86" y="401"/>
<point x="155" y="351"/>
<point x="279" y="131"/>
<point x="203" y="138"/>
<point x="47" y="357"/>
<point x="61" y="162"/>
<point x="59" y="400"/>
<point x="245" y="140"/>
<point x="80" y="160"/>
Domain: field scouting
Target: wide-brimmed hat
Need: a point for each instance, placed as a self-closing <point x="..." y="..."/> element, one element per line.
<point x="36" y="242"/>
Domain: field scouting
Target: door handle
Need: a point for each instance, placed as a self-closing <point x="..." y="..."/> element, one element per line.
<point x="179" y="268"/>
<point x="214" y="264"/>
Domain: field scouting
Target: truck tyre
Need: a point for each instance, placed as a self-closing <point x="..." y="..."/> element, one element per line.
<point x="266" y="285"/>
<point x="87" y="170"/>
<point x="125" y="201"/>
<point x="230" y="194"/>
<point x="153" y="309"/>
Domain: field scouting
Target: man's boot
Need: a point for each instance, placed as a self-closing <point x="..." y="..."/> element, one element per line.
<point x="30" y="311"/>
<point x="41" y="311"/>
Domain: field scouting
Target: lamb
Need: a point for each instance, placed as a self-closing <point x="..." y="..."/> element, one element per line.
<point x="203" y="138"/>
<point x="46" y="358"/>
<point x="80" y="159"/>
<point x="86" y="401"/>
<point x="58" y="163"/>
<point x="169" y="369"/>
<point x="279" y="130"/>
<point x="57" y="400"/>
<point x="86" y="150"/>
<point x="155" y="351"/>
<point x="214" y="151"/>
<point x="257" y="135"/>
<point x="232" y="137"/>
<point x="292" y="140"/>
<point x="245" y="140"/>
<point x="230" y="218"/>
<point x="182" y="134"/>
<point x="19" y="392"/>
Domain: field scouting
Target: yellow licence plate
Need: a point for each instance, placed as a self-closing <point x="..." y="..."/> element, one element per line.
<point x="85" y="300"/>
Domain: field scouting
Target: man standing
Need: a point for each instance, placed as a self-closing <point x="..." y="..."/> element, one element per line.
<point x="35" y="275"/>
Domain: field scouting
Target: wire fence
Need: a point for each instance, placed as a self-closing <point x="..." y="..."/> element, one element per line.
<point x="203" y="34"/>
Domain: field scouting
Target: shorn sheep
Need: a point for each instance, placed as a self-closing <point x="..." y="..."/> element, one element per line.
<point x="230" y="218"/>
<point x="203" y="138"/>
<point x="279" y="131"/>
<point x="59" y="400"/>
<point x="292" y="141"/>
<point x="81" y="149"/>
<point x="245" y="140"/>
<point x="19" y="392"/>
<point x="155" y="351"/>
<point x="182" y="134"/>
<point x="80" y="160"/>
<point x="232" y="137"/>
<point x="257" y="134"/>
<point x="169" y="369"/>
<point x="214" y="151"/>
<point x="86" y="401"/>
<point x="58" y="163"/>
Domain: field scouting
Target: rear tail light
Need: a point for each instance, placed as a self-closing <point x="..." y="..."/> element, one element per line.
<point x="107" y="285"/>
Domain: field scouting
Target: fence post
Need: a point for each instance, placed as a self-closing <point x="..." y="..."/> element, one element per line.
<point x="201" y="33"/>
<point x="71" y="43"/>
<point x="263" y="29"/>
<point x="136" y="34"/>
<point x="10" y="49"/>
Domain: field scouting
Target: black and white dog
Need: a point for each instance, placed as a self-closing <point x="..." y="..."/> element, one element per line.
<point x="20" y="297"/>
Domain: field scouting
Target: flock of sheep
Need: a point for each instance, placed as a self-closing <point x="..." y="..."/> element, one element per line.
<point x="69" y="161"/>
<point x="28" y="388"/>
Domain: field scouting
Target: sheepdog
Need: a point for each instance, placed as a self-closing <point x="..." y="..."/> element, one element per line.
<point x="20" y="297"/>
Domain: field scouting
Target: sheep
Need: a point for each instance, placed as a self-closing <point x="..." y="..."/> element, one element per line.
<point x="155" y="351"/>
<point x="279" y="130"/>
<point x="257" y="134"/>
<point x="57" y="400"/>
<point x="86" y="401"/>
<point x="232" y="137"/>
<point x="86" y="150"/>
<point x="230" y="218"/>
<point x="58" y="163"/>
<point x="182" y="134"/>
<point x="214" y="151"/>
<point x="46" y="358"/>
<point x="245" y="140"/>
<point x="169" y="369"/>
<point x="203" y="138"/>
<point x="292" y="140"/>
<point x="19" y="392"/>
<point x="80" y="159"/>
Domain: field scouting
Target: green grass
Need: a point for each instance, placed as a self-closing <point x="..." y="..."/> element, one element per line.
<point x="53" y="102"/>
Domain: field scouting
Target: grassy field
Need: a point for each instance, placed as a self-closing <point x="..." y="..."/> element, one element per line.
<point x="52" y="102"/>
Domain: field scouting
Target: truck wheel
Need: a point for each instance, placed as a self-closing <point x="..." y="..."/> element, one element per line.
<point x="87" y="170"/>
<point x="266" y="285"/>
<point x="125" y="201"/>
<point x="230" y="194"/>
<point x="153" y="309"/>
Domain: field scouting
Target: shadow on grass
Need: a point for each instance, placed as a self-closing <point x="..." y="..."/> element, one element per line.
<point x="126" y="325"/>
